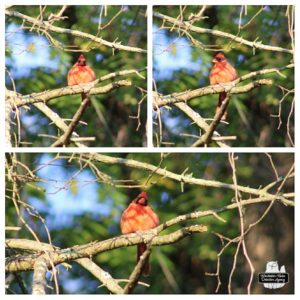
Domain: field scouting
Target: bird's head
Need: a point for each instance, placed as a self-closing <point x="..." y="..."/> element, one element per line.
<point x="141" y="199"/>
<point x="81" y="60"/>
<point x="218" y="57"/>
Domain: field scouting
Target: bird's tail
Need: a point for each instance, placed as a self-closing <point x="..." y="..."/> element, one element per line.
<point x="141" y="248"/>
<point x="222" y="97"/>
<point x="85" y="96"/>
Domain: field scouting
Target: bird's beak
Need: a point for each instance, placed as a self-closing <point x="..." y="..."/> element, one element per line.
<point x="214" y="60"/>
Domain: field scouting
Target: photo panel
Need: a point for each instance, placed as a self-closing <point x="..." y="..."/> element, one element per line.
<point x="76" y="76"/>
<point x="223" y="76"/>
<point x="223" y="223"/>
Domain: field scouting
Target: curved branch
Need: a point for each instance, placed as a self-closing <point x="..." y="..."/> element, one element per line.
<point x="188" y="178"/>
<point x="26" y="262"/>
<point x="216" y="211"/>
<point x="69" y="90"/>
<point x="160" y="100"/>
<point x="47" y="26"/>
<point x="187" y="26"/>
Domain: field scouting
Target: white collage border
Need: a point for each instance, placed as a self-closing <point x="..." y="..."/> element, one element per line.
<point x="150" y="148"/>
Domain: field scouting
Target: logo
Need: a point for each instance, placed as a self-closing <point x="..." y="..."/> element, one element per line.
<point x="273" y="278"/>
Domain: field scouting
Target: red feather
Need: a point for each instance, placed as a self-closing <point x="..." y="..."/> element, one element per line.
<point x="80" y="73"/>
<point x="139" y="216"/>
<point x="221" y="72"/>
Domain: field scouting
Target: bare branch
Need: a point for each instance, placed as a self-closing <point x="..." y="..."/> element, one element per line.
<point x="122" y="73"/>
<point x="110" y="283"/>
<point x="187" y="179"/>
<point x="199" y="121"/>
<point x="206" y="138"/>
<point x="8" y="111"/>
<point x="161" y="100"/>
<point x="55" y="118"/>
<point x="58" y="16"/>
<point x="26" y="262"/>
<point x="242" y="230"/>
<point x="64" y="140"/>
<point x="187" y="26"/>
<point x="136" y="273"/>
<point x="70" y="90"/>
<point x="39" y="276"/>
<point x="47" y="26"/>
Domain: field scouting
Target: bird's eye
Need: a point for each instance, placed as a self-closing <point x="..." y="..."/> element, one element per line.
<point x="219" y="59"/>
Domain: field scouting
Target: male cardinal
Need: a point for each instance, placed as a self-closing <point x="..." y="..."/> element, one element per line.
<point x="81" y="73"/>
<point x="221" y="72"/>
<point x="139" y="216"/>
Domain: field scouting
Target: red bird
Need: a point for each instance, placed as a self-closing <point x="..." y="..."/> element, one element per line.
<point x="221" y="72"/>
<point x="80" y="73"/>
<point x="139" y="216"/>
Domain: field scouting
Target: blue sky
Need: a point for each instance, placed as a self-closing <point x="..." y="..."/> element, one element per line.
<point x="171" y="55"/>
<point x="29" y="51"/>
<point x="65" y="200"/>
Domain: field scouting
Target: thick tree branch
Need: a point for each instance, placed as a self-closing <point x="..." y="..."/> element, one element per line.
<point x="86" y="263"/>
<point x="160" y="100"/>
<point x="29" y="245"/>
<point x="26" y="262"/>
<point x="182" y="178"/>
<point x="8" y="111"/>
<point x="104" y="277"/>
<point x="39" y="276"/>
<point x="41" y="25"/>
<point x="185" y="25"/>
<point x="70" y="90"/>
